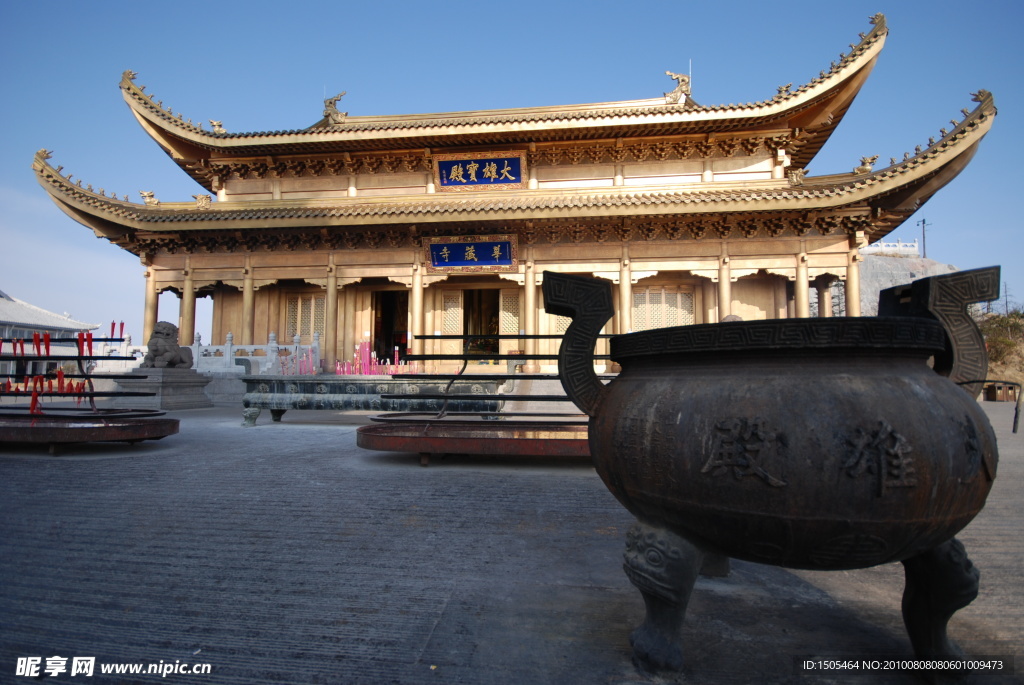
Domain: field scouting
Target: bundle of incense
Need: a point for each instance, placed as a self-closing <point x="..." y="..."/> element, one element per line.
<point x="46" y="343"/>
<point x="35" y="344"/>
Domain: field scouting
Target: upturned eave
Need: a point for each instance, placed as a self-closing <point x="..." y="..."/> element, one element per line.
<point x="889" y="195"/>
<point x="811" y="112"/>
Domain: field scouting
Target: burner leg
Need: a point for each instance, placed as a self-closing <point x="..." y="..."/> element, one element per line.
<point x="664" y="567"/>
<point x="249" y="416"/>
<point x="939" y="583"/>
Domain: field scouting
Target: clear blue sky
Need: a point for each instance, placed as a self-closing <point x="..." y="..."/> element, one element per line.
<point x="267" y="66"/>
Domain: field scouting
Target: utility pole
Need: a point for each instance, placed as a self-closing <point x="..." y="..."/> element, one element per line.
<point x="924" y="243"/>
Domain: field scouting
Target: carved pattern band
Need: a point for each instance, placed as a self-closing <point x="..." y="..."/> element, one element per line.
<point x="588" y="302"/>
<point x="946" y="298"/>
<point x="906" y="333"/>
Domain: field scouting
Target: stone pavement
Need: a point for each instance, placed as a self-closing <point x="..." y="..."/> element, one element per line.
<point x="285" y="554"/>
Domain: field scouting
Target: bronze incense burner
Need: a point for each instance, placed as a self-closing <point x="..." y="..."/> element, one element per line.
<point x="823" y="443"/>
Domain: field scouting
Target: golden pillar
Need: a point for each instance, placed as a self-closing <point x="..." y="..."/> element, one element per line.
<point x="248" y="305"/>
<point x="348" y="340"/>
<point x="853" y="283"/>
<point x="149" y="316"/>
<point x="416" y="305"/>
<point x="824" y="286"/>
<point x="625" y="297"/>
<point x="801" y="293"/>
<point x="187" y="327"/>
<point x="724" y="287"/>
<point x="530" y="322"/>
<point x="329" y="352"/>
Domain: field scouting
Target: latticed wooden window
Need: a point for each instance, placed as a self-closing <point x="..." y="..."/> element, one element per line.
<point x="304" y="316"/>
<point x="662" y="306"/>
<point x="451" y="314"/>
<point x="509" y="312"/>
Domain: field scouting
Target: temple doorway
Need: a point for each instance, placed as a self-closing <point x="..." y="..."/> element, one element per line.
<point x="480" y="317"/>
<point x="390" y="323"/>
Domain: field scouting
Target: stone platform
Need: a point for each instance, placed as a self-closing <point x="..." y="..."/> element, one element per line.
<point x="355" y="393"/>
<point x="288" y="555"/>
<point x="173" y="389"/>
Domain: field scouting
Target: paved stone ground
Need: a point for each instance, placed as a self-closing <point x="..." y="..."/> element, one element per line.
<point x="285" y="554"/>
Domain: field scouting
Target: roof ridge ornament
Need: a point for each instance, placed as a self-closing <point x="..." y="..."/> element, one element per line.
<point x="331" y="113"/>
<point x="986" y="103"/>
<point x="682" y="89"/>
<point x="866" y="164"/>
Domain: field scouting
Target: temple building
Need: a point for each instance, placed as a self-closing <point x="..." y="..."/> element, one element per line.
<point x="389" y="228"/>
<point x="20" y="320"/>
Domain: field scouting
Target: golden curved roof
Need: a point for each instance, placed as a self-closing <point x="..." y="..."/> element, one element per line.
<point x="887" y="196"/>
<point x="811" y="112"/>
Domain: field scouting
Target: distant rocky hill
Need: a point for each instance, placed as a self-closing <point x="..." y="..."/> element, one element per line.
<point x="878" y="272"/>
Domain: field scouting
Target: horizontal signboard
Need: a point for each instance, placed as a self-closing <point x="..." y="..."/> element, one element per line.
<point x="480" y="171"/>
<point x="472" y="254"/>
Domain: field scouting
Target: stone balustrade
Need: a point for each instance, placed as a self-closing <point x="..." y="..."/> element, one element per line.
<point x="272" y="358"/>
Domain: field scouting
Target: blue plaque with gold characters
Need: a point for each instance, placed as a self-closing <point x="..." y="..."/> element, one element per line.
<point x="480" y="171"/>
<point x="472" y="254"/>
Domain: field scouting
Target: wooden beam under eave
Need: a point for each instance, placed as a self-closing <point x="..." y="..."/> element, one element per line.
<point x="178" y="150"/>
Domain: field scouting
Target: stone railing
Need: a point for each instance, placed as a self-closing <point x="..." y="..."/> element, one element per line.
<point x="118" y="354"/>
<point x="896" y="249"/>
<point x="272" y="358"/>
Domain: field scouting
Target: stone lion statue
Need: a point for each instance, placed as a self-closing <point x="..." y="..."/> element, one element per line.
<point x="164" y="350"/>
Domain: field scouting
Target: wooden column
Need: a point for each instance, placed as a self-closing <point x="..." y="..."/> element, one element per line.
<point x="824" y="287"/>
<point x="349" y="339"/>
<point x="853" y="258"/>
<point x="329" y="351"/>
<point x="248" y="305"/>
<point x="709" y="295"/>
<point x="801" y="294"/>
<point x="625" y="297"/>
<point x="416" y="307"/>
<point x="530" y="316"/>
<point x="724" y="287"/>
<point x="149" y="316"/>
<point x="853" y="284"/>
<point x="187" y="329"/>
